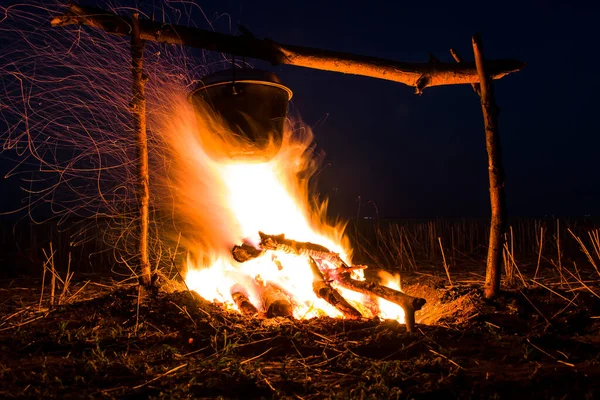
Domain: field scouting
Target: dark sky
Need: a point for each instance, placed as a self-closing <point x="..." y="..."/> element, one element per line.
<point x="424" y="156"/>
<point x="416" y="156"/>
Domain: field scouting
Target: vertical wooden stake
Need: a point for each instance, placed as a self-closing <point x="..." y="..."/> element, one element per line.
<point x="496" y="174"/>
<point x="52" y="277"/>
<point x="138" y="110"/>
<point x="457" y="58"/>
<point x="43" y="283"/>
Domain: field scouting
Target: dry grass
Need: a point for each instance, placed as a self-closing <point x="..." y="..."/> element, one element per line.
<point x="533" y="248"/>
<point x="178" y="345"/>
<point x="539" y="319"/>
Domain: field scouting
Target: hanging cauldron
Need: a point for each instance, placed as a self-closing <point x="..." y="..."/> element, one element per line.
<point x="250" y="106"/>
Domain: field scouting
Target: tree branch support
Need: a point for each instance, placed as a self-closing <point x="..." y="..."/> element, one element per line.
<point x="495" y="172"/>
<point x="417" y="75"/>
<point x="138" y="111"/>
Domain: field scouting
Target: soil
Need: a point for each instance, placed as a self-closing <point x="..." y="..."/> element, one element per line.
<point x="532" y="342"/>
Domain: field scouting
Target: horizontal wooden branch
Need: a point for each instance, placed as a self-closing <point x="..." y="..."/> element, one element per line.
<point x="280" y="243"/>
<point x="418" y="75"/>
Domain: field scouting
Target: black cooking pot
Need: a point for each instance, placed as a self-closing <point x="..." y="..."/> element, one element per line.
<point x="251" y="106"/>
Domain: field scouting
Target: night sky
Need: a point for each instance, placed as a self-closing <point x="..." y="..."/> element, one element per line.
<point x="424" y="156"/>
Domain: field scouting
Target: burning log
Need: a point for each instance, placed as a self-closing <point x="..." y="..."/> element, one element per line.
<point x="340" y="275"/>
<point x="280" y="243"/>
<point x="240" y="297"/>
<point x="408" y="303"/>
<point x="276" y="303"/>
<point x="324" y="291"/>
<point x="245" y="252"/>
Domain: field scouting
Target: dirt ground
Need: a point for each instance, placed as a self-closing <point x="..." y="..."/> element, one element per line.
<point x="533" y="342"/>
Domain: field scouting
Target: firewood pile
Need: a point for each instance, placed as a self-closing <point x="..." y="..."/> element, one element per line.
<point x="325" y="280"/>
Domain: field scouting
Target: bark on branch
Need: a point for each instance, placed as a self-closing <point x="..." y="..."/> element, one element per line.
<point x="495" y="173"/>
<point x="323" y="290"/>
<point x="495" y="170"/>
<point x="275" y="302"/>
<point x="138" y="111"/>
<point x="417" y="75"/>
<point x="408" y="303"/>
<point x="240" y="297"/>
<point x="340" y="275"/>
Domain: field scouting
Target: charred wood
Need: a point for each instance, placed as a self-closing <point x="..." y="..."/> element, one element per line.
<point x="276" y="303"/>
<point x="245" y="252"/>
<point x="324" y="291"/>
<point x="408" y="303"/>
<point x="341" y="275"/>
<point x="280" y="243"/>
<point x="240" y="297"/>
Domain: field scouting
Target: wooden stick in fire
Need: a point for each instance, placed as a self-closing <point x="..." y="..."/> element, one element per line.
<point x="408" y="303"/>
<point x="240" y="296"/>
<point x="275" y="302"/>
<point x="341" y="274"/>
<point x="323" y="290"/>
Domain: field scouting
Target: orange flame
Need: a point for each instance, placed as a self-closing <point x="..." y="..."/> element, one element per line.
<point x="225" y="202"/>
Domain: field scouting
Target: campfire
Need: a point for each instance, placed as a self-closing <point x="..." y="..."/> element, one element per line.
<point x="273" y="276"/>
<point x="258" y="244"/>
<point x="282" y="257"/>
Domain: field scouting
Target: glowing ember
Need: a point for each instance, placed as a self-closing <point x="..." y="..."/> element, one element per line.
<point x="229" y="202"/>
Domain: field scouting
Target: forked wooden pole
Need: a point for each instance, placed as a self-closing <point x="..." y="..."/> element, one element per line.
<point x="138" y="111"/>
<point x="496" y="174"/>
<point x="458" y="59"/>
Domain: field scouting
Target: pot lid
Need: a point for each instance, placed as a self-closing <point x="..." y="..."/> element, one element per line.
<point x="242" y="75"/>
